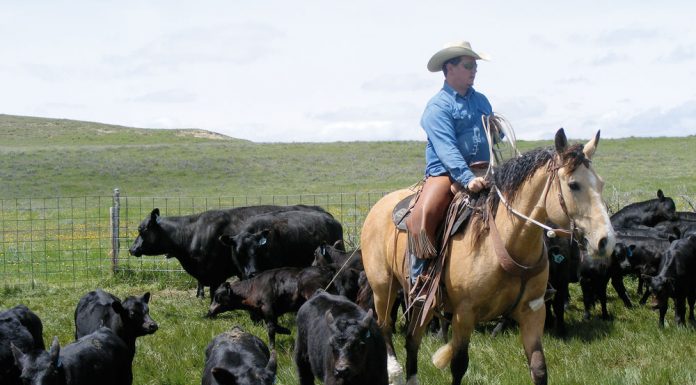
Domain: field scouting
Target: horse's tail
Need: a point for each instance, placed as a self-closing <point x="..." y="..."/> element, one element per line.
<point x="443" y="356"/>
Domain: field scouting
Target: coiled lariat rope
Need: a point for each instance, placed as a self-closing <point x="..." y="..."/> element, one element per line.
<point x="500" y="124"/>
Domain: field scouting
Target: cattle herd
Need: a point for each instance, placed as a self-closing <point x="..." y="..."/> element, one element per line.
<point x="291" y="259"/>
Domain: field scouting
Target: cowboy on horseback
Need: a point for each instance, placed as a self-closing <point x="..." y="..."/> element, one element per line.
<point x="456" y="154"/>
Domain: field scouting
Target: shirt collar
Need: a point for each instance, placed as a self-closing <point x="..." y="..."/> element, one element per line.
<point x="447" y="88"/>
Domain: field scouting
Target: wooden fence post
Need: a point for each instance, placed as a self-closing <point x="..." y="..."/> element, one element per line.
<point x="115" y="216"/>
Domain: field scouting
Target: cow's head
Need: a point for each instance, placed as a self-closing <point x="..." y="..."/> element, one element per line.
<point x="224" y="299"/>
<point x="622" y="255"/>
<point x="249" y="375"/>
<point x="249" y="251"/>
<point x="349" y="342"/>
<point x="151" y="239"/>
<point x="665" y="209"/>
<point x="40" y="367"/>
<point x="321" y="255"/>
<point x="135" y="315"/>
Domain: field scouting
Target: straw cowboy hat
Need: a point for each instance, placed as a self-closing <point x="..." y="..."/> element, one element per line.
<point x="452" y="50"/>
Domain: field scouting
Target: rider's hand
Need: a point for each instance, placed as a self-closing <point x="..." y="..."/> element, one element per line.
<point x="477" y="184"/>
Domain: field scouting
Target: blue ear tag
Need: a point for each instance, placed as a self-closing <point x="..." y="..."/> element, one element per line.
<point x="367" y="335"/>
<point x="262" y="241"/>
<point x="558" y="258"/>
<point x="629" y="252"/>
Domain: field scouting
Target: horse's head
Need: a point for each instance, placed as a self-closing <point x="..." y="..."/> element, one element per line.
<point x="580" y="199"/>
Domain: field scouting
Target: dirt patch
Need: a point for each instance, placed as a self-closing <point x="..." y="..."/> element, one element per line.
<point x="202" y="134"/>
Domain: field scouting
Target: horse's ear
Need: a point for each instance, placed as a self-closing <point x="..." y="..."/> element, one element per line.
<point x="591" y="146"/>
<point x="561" y="141"/>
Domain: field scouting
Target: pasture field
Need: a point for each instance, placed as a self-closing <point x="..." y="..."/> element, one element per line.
<point x="48" y="158"/>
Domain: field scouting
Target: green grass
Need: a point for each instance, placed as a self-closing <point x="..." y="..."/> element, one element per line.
<point x="49" y="157"/>
<point x="629" y="349"/>
<point x="181" y="170"/>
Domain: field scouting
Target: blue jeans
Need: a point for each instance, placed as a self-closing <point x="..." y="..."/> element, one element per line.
<point x="417" y="266"/>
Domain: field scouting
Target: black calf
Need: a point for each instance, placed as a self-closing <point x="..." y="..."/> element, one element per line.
<point x="266" y="296"/>
<point x="339" y="343"/>
<point x="238" y="358"/>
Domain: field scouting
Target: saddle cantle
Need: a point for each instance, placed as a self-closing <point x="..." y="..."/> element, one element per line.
<point x="401" y="211"/>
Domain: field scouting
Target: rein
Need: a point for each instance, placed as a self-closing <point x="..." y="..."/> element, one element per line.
<point x="506" y="128"/>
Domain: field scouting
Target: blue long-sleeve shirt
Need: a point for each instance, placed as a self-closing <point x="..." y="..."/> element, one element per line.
<point x="455" y="133"/>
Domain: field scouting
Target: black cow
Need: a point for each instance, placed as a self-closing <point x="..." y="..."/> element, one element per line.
<point x="646" y="213"/>
<point x="676" y="279"/>
<point x="644" y="231"/>
<point x="29" y="320"/>
<point x="564" y="259"/>
<point x="97" y="358"/>
<point x="128" y="319"/>
<point x="266" y="296"/>
<point x="326" y="254"/>
<point x="20" y="327"/>
<point x="595" y="275"/>
<point x="334" y="278"/>
<point x="339" y="343"/>
<point x="238" y="358"/>
<point x="680" y="227"/>
<point x="279" y="239"/>
<point x="644" y="254"/>
<point x="193" y="240"/>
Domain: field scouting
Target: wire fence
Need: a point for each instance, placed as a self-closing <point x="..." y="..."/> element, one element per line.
<point x="63" y="241"/>
<point x="66" y="241"/>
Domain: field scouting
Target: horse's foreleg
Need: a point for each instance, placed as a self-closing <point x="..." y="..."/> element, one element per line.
<point x="531" y="330"/>
<point x="456" y="352"/>
<point x="384" y="301"/>
<point x="413" y="341"/>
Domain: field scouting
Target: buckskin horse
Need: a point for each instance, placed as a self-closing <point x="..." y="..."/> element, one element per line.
<point x="498" y="265"/>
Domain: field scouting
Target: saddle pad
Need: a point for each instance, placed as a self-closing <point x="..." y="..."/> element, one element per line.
<point x="401" y="212"/>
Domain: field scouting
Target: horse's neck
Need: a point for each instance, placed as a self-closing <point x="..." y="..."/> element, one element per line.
<point x="523" y="239"/>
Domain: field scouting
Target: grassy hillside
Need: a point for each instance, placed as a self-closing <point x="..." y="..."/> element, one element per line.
<point x="50" y="157"/>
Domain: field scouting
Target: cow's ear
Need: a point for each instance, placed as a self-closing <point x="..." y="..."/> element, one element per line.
<point x="154" y="215"/>
<point x="224" y="376"/>
<point x="228" y="240"/>
<point x="54" y="353"/>
<point x="18" y="355"/>
<point x="146" y="297"/>
<point x="561" y="141"/>
<point x="118" y="308"/>
<point x="660" y="195"/>
<point x="331" y="321"/>
<point x="338" y="244"/>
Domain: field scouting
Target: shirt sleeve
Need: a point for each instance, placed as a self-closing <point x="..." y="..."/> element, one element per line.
<point x="438" y="124"/>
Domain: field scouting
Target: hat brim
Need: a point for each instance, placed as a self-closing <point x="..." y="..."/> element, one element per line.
<point x="441" y="56"/>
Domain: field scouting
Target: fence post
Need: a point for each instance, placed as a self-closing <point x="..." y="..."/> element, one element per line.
<point x="115" y="216"/>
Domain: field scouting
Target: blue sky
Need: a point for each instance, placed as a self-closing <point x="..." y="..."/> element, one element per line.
<point x="340" y="71"/>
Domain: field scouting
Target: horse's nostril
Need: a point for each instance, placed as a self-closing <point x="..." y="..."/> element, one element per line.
<point x="603" y="243"/>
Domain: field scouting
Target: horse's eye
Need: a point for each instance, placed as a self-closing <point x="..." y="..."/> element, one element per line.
<point x="575" y="186"/>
